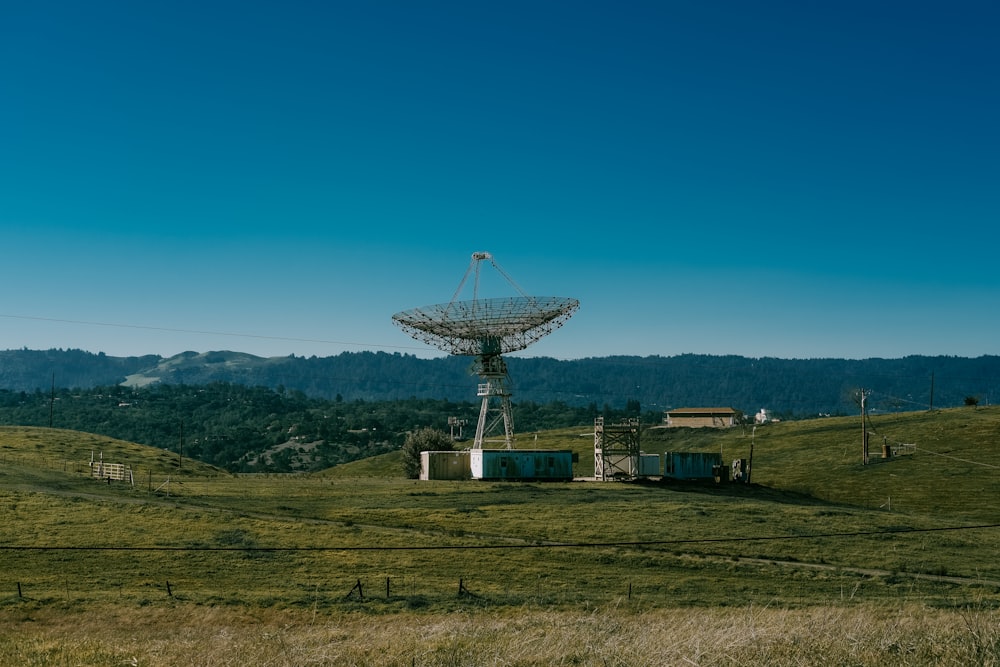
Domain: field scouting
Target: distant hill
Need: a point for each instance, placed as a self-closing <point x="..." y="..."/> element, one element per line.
<point x="790" y="388"/>
<point x="31" y="370"/>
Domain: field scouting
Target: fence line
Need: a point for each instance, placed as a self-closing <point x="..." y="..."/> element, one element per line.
<point x="404" y="589"/>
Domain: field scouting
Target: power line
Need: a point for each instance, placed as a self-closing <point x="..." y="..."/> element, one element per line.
<point x="486" y="547"/>
<point x="955" y="458"/>
<point x="428" y="385"/>
<point x="761" y="365"/>
<point x="208" y="333"/>
<point x="898" y="399"/>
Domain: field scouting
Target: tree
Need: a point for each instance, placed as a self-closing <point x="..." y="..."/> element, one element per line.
<point x="423" y="440"/>
<point x="971" y="401"/>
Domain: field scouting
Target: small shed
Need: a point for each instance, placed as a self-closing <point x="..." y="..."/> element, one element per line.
<point x="444" y="465"/>
<point x="522" y="464"/>
<point x="691" y="465"/>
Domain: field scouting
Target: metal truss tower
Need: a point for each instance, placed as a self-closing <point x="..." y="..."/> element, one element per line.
<point x="616" y="450"/>
<point x="495" y="410"/>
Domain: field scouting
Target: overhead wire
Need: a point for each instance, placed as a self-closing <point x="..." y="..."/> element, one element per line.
<point x="898" y="399"/>
<point x="871" y="426"/>
<point x="205" y="332"/>
<point x="955" y="458"/>
<point x="261" y="337"/>
<point x="648" y="362"/>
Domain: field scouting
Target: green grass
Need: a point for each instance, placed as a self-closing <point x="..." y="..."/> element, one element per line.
<point x="816" y="531"/>
<point x="952" y="474"/>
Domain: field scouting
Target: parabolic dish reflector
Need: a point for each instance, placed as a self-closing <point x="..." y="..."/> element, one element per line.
<point x="487" y="326"/>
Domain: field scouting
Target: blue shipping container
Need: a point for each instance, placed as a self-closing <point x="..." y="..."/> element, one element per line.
<point x="522" y="464"/>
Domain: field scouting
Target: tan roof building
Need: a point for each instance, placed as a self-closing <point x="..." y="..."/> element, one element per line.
<point x="701" y="417"/>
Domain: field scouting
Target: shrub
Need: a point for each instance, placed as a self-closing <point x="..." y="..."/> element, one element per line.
<point x="422" y="440"/>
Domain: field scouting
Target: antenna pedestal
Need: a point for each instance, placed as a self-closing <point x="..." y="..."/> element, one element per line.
<point x="495" y="410"/>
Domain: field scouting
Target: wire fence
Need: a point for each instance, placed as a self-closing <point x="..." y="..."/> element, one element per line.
<point x="332" y="576"/>
<point x="407" y="590"/>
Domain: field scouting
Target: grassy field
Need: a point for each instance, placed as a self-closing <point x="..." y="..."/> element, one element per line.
<point x="222" y="636"/>
<point x="822" y="560"/>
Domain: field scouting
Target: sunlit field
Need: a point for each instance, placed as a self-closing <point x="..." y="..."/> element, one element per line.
<point x="821" y="561"/>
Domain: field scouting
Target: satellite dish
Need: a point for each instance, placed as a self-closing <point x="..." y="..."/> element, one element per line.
<point x="486" y="329"/>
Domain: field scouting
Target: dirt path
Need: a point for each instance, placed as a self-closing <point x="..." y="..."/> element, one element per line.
<point x="872" y="572"/>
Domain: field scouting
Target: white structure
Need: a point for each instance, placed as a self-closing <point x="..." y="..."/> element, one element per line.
<point x="486" y="329"/>
<point x="118" y="472"/>
<point x="616" y="450"/>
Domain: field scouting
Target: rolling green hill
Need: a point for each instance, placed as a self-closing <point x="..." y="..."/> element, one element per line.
<point x="185" y="546"/>
<point x="23" y="447"/>
<point x="948" y="462"/>
<point x="808" y="480"/>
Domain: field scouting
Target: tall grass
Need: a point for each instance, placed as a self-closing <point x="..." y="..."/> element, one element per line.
<point x="840" y="634"/>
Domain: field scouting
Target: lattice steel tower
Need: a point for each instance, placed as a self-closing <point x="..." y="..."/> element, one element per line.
<point x="616" y="450"/>
<point x="486" y="329"/>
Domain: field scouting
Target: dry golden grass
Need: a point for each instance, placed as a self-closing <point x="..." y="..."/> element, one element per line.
<point x="185" y="635"/>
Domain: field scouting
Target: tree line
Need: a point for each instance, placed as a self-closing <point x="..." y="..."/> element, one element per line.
<point x="258" y="429"/>
<point x="788" y="388"/>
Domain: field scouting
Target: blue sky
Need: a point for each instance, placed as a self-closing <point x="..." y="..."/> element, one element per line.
<point x="784" y="179"/>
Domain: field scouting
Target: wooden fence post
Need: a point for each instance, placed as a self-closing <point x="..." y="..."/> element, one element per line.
<point x="359" y="589"/>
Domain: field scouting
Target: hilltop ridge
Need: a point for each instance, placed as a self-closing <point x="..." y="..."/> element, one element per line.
<point x="787" y="387"/>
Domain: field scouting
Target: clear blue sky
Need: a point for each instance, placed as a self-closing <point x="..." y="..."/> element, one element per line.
<point x="788" y="179"/>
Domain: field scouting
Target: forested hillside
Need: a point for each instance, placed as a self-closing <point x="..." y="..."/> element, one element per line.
<point x="255" y="429"/>
<point x="27" y="370"/>
<point x="790" y="388"/>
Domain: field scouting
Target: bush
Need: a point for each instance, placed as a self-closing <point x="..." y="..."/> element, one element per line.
<point x="425" y="439"/>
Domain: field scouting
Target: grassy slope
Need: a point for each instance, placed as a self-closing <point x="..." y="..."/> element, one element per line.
<point x="952" y="474"/>
<point x="54" y="449"/>
<point x="358" y="519"/>
<point x="808" y="480"/>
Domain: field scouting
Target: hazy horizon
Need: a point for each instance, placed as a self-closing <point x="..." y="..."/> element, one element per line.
<point x="773" y="179"/>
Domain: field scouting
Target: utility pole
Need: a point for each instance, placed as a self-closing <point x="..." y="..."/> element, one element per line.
<point x="864" y="429"/>
<point x="932" y="391"/>
<point x="52" y="398"/>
